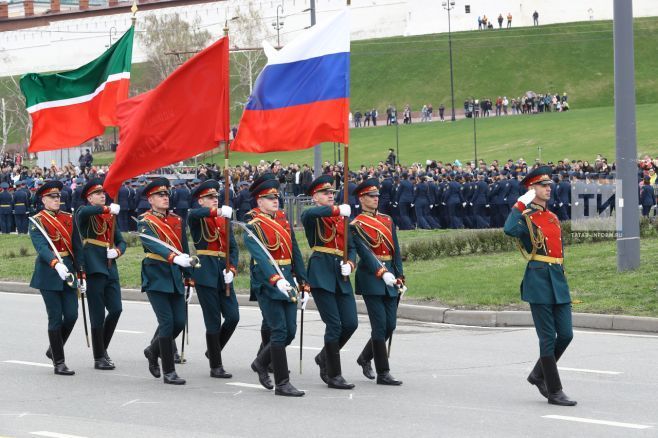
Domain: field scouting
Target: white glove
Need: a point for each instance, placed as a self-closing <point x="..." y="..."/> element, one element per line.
<point x="345" y="210"/>
<point x="470" y="203"/>
<point x="487" y="206"/>
<point x="561" y="204"/>
<point x="62" y="270"/>
<point x="528" y="197"/>
<point x="226" y="212"/>
<point x="412" y="205"/>
<point x="115" y="208"/>
<point x="463" y="204"/>
<point x="389" y="279"/>
<point x="304" y="300"/>
<point x="345" y="269"/>
<point x="228" y="276"/>
<point x="189" y="298"/>
<point x="431" y="206"/>
<point x="82" y="284"/>
<point x="112" y="253"/>
<point x="283" y="285"/>
<point x="183" y="260"/>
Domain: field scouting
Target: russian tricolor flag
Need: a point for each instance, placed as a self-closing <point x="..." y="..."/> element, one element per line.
<point x="301" y="98"/>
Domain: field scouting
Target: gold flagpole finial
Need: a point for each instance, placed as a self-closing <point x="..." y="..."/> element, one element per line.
<point x="134" y="10"/>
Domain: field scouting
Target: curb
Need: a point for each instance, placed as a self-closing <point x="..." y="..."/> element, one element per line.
<point x="424" y="313"/>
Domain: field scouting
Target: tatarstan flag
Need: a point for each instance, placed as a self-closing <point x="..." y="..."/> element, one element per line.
<point x="71" y="107"/>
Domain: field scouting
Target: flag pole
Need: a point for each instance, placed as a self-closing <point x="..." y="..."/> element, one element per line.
<point x="227" y="185"/>
<point x="134" y="9"/>
<point x="346" y="192"/>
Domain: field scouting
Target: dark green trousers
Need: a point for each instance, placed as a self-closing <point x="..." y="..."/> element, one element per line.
<point x="61" y="307"/>
<point x="215" y="304"/>
<point x="281" y="318"/>
<point x="169" y="309"/>
<point x="382" y="312"/>
<point x="103" y="293"/>
<point x="553" y="326"/>
<point x="338" y="312"/>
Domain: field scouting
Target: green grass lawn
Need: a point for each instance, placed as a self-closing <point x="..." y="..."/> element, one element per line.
<point x="489" y="281"/>
<point x="577" y="134"/>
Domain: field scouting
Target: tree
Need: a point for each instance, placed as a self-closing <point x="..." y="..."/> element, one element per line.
<point x="165" y="37"/>
<point x="14" y="119"/>
<point x="247" y="30"/>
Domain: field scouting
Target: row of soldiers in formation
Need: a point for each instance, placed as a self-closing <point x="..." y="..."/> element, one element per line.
<point x="463" y="200"/>
<point x="89" y="242"/>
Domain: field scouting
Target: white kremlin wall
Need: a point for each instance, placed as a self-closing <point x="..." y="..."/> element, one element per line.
<point x="67" y="44"/>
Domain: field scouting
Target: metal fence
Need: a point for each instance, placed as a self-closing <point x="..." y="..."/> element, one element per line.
<point x="293" y="206"/>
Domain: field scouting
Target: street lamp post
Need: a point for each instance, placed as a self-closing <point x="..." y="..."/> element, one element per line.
<point x="397" y="135"/>
<point x="278" y="25"/>
<point x="475" y="136"/>
<point x="448" y="6"/>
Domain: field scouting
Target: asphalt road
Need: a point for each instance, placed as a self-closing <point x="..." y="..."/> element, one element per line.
<point x="458" y="382"/>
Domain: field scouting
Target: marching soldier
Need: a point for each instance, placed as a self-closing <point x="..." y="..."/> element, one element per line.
<point x="53" y="272"/>
<point x="544" y="284"/>
<point x="207" y="227"/>
<point x="6" y="208"/>
<point x="274" y="292"/>
<point x="102" y="244"/>
<point x="328" y="276"/>
<point x="378" y="274"/>
<point x="162" y="276"/>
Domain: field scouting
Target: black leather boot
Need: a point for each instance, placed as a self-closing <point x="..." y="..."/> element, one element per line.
<point x="364" y="361"/>
<point x="224" y="336"/>
<point x="260" y="364"/>
<point x="167" y="356"/>
<point x="381" y="365"/>
<point x="108" y="331"/>
<point x="57" y="351"/>
<point x="66" y="332"/>
<point x="281" y="374"/>
<point x="215" y="357"/>
<point x="264" y="340"/>
<point x="100" y="363"/>
<point x="334" y="372"/>
<point x="321" y="361"/>
<point x="151" y="353"/>
<point x="553" y="384"/>
<point x="536" y="377"/>
<point x="177" y="357"/>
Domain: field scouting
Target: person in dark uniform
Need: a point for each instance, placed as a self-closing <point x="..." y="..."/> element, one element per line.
<point x="67" y="194"/>
<point x="123" y="199"/>
<point x="6" y="208"/>
<point x="479" y="201"/>
<point x="544" y="284"/>
<point x="272" y="290"/>
<point x="52" y="277"/>
<point x="242" y="201"/>
<point x="328" y="275"/>
<point x="378" y="273"/>
<point x="208" y="229"/>
<point x="386" y="195"/>
<point x="422" y="201"/>
<point x="21" y="207"/>
<point x="647" y="196"/>
<point x="404" y="199"/>
<point x="181" y="201"/>
<point x="76" y="195"/>
<point x="162" y="276"/>
<point x="142" y="204"/>
<point x="564" y="197"/>
<point x="102" y="244"/>
<point x="453" y="198"/>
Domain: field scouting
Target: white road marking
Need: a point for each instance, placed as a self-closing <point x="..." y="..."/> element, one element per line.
<point x="34" y="364"/>
<point x="237" y="393"/>
<point x="132" y="332"/>
<point x="246" y="385"/>
<point x="584" y="370"/>
<point x="54" y="434"/>
<point x="307" y="348"/>
<point x="601" y="422"/>
<point x="129" y="402"/>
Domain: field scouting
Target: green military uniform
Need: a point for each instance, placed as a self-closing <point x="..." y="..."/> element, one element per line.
<point x="162" y="280"/>
<point x="379" y="253"/>
<point x="332" y="293"/>
<point x="544" y="285"/>
<point x="279" y="310"/>
<point x="59" y="297"/>
<point x="99" y="232"/>
<point x="208" y="232"/>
